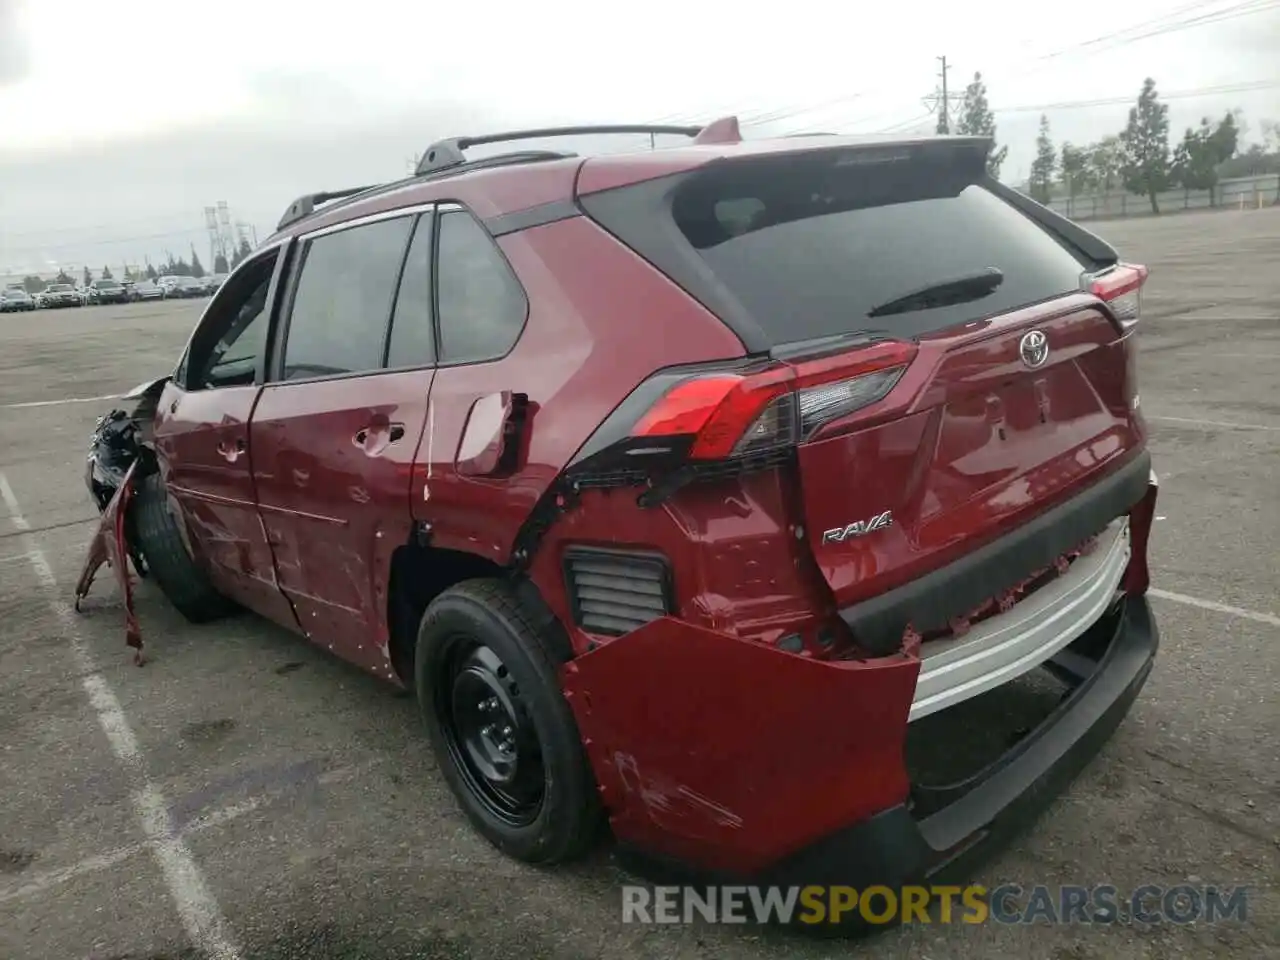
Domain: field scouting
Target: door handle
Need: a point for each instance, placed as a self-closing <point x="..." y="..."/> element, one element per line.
<point x="231" y="450"/>
<point x="375" y="438"/>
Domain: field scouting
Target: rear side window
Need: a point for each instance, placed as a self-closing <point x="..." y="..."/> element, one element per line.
<point x="482" y="306"/>
<point x="810" y="252"/>
<point x="342" y="301"/>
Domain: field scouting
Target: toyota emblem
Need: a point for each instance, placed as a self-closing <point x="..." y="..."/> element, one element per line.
<point x="1034" y="348"/>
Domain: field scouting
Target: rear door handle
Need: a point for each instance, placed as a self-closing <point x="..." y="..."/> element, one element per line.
<point x="375" y="438"/>
<point x="231" y="450"/>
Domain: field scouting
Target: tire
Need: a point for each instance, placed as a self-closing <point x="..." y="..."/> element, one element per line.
<point x="486" y="615"/>
<point x="167" y="560"/>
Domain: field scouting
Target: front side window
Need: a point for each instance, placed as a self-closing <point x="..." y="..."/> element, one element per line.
<point x="232" y="336"/>
<point x="342" y="300"/>
<point x="482" y="307"/>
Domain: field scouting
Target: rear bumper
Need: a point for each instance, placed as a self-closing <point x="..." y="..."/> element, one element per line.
<point x="940" y="838"/>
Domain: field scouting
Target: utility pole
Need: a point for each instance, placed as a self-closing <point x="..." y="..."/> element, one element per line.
<point x="940" y="100"/>
<point x="943" y="125"/>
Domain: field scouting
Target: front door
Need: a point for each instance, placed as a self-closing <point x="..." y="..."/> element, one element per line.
<point x="202" y="435"/>
<point x="335" y="431"/>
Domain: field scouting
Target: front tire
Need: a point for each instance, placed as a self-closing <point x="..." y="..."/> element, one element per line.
<point x="165" y="556"/>
<point x="502" y="732"/>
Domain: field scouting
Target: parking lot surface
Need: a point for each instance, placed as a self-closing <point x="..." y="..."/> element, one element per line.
<point x="246" y="796"/>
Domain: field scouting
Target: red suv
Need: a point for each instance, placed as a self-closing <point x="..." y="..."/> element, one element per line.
<point x="680" y="484"/>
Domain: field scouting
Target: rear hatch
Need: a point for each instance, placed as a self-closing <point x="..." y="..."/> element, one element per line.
<point x="954" y="366"/>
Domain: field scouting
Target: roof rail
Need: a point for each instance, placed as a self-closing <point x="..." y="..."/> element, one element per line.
<point x="445" y="154"/>
<point x="305" y="205"/>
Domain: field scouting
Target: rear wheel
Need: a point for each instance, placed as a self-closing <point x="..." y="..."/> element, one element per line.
<point x="165" y="556"/>
<point x="501" y="729"/>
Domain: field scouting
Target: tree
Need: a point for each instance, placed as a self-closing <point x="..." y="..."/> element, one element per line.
<point x="197" y="268"/>
<point x="1076" y="174"/>
<point x="32" y="284"/>
<point x="1145" y="141"/>
<point x="242" y="252"/>
<point x="220" y="264"/>
<point x="1043" y="165"/>
<point x="151" y="272"/>
<point x="1105" y="161"/>
<point x="62" y="277"/>
<point x="106" y="273"/>
<point x="976" y="120"/>
<point x="1197" y="159"/>
<point x="88" y="277"/>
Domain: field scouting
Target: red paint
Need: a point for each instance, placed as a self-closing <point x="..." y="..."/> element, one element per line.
<point x="109" y="546"/>
<point x="335" y="509"/>
<point x="708" y="743"/>
<point x="727" y="754"/>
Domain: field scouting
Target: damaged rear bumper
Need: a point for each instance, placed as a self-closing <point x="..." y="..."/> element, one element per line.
<point x="725" y="761"/>
<point x="769" y="813"/>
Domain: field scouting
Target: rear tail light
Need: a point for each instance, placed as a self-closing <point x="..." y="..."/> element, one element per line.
<point x="1121" y="288"/>
<point x="727" y="416"/>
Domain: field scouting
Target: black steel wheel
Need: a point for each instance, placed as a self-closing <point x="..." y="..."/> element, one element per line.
<point x="486" y="675"/>
<point x="490" y="736"/>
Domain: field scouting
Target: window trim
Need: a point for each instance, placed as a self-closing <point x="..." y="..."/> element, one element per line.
<point x="456" y="206"/>
<point x="275" y="375"/>
<point x="281" y="250"/>
<point x="434" y="216"/>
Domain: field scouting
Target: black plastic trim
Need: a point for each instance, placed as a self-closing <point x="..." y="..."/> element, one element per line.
<point x="930" y="602"/>
<point x="544" y="213"/>
<point x="1090" y="245"/>
<point x="647" y="562"/>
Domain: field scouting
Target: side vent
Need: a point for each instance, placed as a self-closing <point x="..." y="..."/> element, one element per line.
<point x="616" y="591"/>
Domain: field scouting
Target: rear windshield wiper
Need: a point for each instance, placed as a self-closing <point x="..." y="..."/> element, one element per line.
<point x="971" y="286"/>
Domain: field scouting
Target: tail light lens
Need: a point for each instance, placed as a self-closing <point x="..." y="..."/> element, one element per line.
<point x="1121" y="288"/>
<point x="736" y="415"/>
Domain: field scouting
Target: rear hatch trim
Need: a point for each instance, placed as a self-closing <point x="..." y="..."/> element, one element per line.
<point x="931" y="601"/>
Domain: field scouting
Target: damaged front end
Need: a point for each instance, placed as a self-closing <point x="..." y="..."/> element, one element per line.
<point x="119" y="456"/>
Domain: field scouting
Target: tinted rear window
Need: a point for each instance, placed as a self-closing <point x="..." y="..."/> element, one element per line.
<point x="810" y="254"/>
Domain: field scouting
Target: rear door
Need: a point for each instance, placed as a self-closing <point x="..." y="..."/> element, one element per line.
<point x="202" y="434"/>
<point x="335" y="430"/>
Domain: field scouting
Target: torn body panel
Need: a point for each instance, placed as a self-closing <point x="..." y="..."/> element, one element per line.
<point x="110" y="545"/>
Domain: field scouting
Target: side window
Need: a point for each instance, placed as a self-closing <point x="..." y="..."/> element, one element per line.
<point x="233" y="333"/>
<point x="481" y="305"/>
<point x="413" y="341"/>
<point x="342" y="300"/>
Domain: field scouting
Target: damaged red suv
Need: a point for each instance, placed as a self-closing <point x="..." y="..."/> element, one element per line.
<point x="680" y="485"/>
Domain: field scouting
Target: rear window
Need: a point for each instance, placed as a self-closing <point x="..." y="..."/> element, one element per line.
<point x="811" y="251"/>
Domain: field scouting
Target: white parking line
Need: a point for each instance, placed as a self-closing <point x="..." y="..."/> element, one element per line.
<point x="55" y="403"/>
<point x="199" y="911"/>
<point x="1214" y="423"/>
<point x="1216" y="607"/>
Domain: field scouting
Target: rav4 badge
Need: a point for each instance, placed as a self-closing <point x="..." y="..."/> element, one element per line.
<point x="859" y="528"/>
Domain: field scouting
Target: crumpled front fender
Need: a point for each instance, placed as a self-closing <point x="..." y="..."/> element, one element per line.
<point x="110" y="546"/>
<point x="727" y="754"/>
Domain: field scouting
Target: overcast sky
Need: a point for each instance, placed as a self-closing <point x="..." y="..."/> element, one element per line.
<point x="120" y="120"/>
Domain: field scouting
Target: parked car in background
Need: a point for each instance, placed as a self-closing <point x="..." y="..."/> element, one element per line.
<point x="146" y="290"/>
<point x="58" y="295"/>
<point x="14" y="299"/>
<point x="214" y="281"/>
<point x="107" y="291"/>
<point x="166" y="282"/>
<point x="188" y="287"/>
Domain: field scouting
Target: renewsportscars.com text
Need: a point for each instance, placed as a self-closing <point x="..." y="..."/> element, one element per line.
<point x="1006" y="904"/>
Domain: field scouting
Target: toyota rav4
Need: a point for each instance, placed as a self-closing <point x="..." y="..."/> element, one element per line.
<point x="680" y="485"/>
